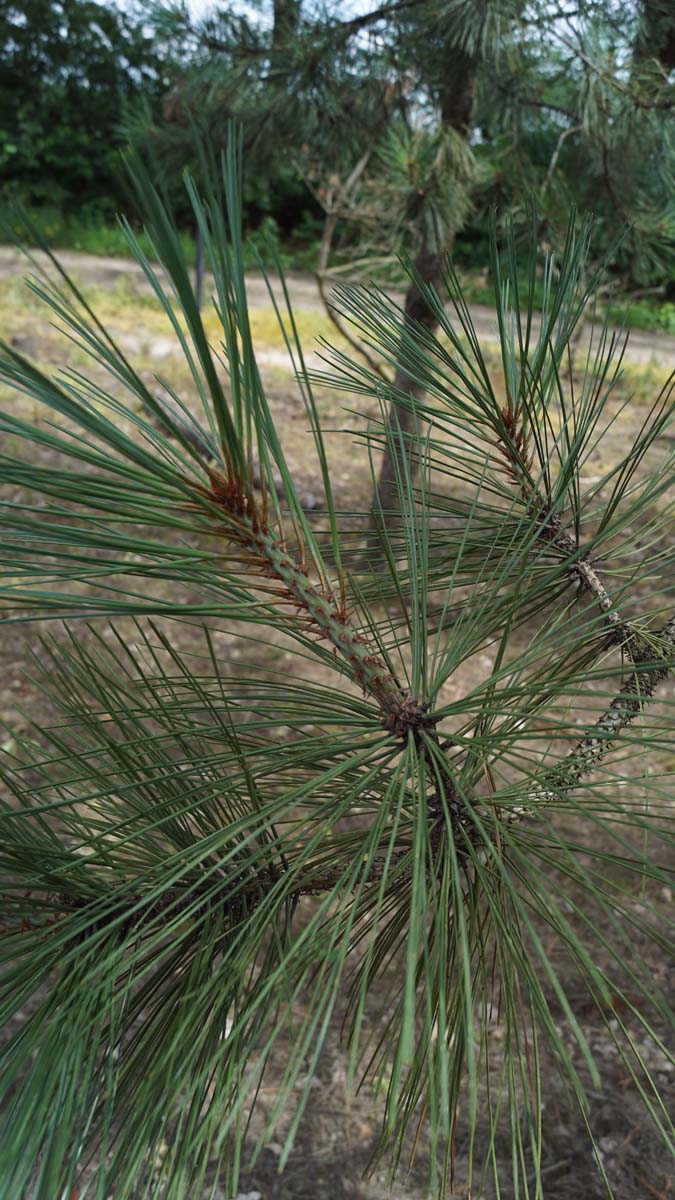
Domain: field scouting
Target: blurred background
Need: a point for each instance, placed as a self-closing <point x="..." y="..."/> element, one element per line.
<point x="371" y="130"/>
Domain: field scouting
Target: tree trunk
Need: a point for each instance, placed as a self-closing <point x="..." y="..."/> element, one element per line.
<point x="457" y="110"/>
<point x="284" y="27"/>
<point x="403" y="422"/>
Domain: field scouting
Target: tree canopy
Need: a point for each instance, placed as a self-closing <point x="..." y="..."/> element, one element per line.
<point x="555" y="106"/>
<point x="445" y="107"/>
<point x="68" y="68"/>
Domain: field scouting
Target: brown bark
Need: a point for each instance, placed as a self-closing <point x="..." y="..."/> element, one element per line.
<point x="458" y="103"/>
<point x="403" y="422"/>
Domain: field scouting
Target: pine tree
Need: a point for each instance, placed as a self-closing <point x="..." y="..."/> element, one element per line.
<point x="412" y="119"/>
<point x="197" y="856"/>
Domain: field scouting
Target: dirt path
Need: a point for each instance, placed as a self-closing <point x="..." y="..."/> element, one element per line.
<point x="643" y="347"/>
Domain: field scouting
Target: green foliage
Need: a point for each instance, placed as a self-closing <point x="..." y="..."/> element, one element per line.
<point x="201" y="859"/>
<point x="580" y="112"/>
<point x="93" y="235"/>
<point x="568" y="110"/>
<point x="108" y="238"/>
<point x="421" y="187"/>
<point x="67" y="70"/>
<point x="657" y="314"/>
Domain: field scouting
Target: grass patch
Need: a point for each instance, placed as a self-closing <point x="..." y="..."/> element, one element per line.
<point x="652" y="314"/>
<point x="649" y="313"/>
<point x="88" y="235"/>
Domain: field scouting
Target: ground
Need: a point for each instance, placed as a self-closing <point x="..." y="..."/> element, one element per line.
<point x="338" y="1131"/>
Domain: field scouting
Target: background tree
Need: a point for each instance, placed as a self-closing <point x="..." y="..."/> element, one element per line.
<point x="68" y="68"/>
<point x="409" y="121"/>
<point x="580" y="111"/>
<point x="568" y="104"/>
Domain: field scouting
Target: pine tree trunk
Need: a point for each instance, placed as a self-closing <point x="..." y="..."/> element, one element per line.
<point x="285" y="24"/>
<point x="457" y="111"/>
<point x="402" y="421"/>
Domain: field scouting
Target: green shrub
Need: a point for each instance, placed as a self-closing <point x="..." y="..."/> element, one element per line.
<point x="658" y="315"/>
<point x="94" y="234"/>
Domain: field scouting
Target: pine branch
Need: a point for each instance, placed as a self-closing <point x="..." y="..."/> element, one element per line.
<point x="347" y="29"/>
<point x="156" y="851"/>
<point x="589" y="751"/>
<point x="241" y="894"/>
<point x="513" y="446"/>
<point x="581" y="570"/>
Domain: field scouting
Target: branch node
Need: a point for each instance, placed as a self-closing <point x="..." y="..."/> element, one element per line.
<point x="410" y="717"/>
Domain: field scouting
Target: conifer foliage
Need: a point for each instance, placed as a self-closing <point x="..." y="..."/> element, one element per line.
<point x="200" y="855"/>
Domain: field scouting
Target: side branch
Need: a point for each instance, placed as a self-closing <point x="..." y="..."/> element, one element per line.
<point x="246" y="525"/>
<point x="588" y="751"/>
<point x="584" y="572"/>
<point x="333" y="201"/>
<point x="512" y="445"/>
